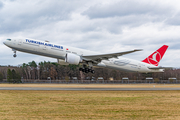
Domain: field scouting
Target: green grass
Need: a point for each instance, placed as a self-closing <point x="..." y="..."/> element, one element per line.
<point x="114" y="105"/>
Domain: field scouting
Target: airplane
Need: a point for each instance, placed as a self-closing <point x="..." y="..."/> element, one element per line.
<point x="66" y="55"/>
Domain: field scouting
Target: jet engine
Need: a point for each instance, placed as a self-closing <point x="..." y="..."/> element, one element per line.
<point x="73" y="59"/>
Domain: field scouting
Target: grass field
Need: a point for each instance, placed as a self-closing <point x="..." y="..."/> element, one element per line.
<point x="114" y="105"/>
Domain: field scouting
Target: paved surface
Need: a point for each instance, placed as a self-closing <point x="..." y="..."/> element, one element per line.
<point x="88" y="89"/>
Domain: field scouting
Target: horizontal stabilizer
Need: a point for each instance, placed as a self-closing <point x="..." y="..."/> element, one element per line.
<point x="157" y="68"/>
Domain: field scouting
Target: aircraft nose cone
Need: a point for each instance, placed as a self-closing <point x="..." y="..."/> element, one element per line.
<point x="4" y="43"/>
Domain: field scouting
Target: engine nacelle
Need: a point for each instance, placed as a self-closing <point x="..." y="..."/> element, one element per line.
<point x="72" y="59"/>
<point x="62" y="62"/>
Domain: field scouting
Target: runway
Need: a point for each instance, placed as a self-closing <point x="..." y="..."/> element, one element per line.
<point x="89" y="89"/>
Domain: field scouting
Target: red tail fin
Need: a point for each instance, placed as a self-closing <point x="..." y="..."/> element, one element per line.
<point x="155" y="58"/>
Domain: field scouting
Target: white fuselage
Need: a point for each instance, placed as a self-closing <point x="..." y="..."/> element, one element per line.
<point x="59" y="52"/>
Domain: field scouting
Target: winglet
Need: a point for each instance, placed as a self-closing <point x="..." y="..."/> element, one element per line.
<point x="156" y="57"/>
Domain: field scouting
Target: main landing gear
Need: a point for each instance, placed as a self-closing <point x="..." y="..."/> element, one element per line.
<point x="14" y="53"/>
<point x="87" y="70"/>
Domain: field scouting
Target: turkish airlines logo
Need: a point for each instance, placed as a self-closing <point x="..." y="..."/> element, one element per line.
<point x="155" y="58"/>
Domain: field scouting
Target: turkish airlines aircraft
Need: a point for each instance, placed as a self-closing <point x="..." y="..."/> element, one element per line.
<point x="66" y="55"/>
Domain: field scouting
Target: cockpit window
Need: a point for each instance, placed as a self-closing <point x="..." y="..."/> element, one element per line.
<point x="9" y="39"/>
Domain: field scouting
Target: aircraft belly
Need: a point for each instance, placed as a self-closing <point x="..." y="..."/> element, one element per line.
<point x="113" y="66"/>
<point x="37" y="52"/>
<point x="119" y="68"/>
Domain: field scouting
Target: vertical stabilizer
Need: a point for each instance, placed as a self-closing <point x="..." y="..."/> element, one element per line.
<point x="156" y="57"/>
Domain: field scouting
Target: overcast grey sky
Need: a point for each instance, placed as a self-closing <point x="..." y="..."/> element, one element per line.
<point x="98" y="25"/>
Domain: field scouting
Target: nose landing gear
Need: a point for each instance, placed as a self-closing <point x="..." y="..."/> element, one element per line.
<point x="14" y="53"/>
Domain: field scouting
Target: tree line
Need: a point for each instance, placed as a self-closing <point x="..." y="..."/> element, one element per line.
<point x="55" y="71"/>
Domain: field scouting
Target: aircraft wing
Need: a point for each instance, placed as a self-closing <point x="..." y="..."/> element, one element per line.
<point x="99" y="57"/>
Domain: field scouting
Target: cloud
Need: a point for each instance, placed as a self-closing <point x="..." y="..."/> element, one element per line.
<point x="174" y="20"/>
<point x="103" y="26"/>
<point x="121" y="14"/>
<point x="1" y="5"/>
<point x="126" y="8"/>
<point x="34" y="14"/>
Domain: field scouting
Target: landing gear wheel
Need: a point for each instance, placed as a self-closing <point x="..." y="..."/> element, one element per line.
<point x="80" y="69"/>
<point x="83" y="70"/>
<point x="89" y="70"/>
<point x="92" y="71"/>
<point x="14" y="55"/>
